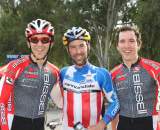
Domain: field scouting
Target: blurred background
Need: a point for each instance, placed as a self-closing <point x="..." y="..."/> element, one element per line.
<point x="99" y="17"/>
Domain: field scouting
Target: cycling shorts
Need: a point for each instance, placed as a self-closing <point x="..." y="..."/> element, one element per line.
<point x="141" y="123"/>
<point x="22" y="123"/>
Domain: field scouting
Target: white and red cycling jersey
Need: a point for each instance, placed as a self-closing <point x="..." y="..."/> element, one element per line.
<point x="25" y="88"/>
<point x="141" y="86"/>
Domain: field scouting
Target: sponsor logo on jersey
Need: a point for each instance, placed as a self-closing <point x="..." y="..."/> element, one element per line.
<point x="140" y="106"/>
<point x="80" y="87"/>
<point x="2" y="112"/>
<point x="9" y="108"/>
<point x="31" y="73"/>
<point x="19" y="61"/>
<point x="156" y="67"/>
<point x="9" y="80"/>
<point x="136" y="69"/>
<point x="121" y="77"/>
<point x="43" y="97"/>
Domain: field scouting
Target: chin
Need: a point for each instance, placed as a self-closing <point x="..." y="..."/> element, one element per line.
<point x="80" y="63"/>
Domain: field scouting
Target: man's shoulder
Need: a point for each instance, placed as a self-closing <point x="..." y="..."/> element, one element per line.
<point x="52" y="66"/>
<point x="18" y="63"/>
<point x="100" y="68"/>
<point x="116" y="68"/>
<point x="67" y="68"/>
<point x="150" y="64"/>
<point x="14" y="67"/>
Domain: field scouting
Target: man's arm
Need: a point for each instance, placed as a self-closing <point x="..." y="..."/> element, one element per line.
<point x="6" y="90"/>
<point x="113" y="103"/>
<point x="57" y="92"/>
<point x="57" y="95"/>
<point x="114" y="122"/>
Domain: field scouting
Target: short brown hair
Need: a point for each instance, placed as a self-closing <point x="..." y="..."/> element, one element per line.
<point x="129" y="28"/>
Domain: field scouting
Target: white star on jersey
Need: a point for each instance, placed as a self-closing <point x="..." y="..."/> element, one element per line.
<point x="109" y="96"/>
<point x="89" y="76"/>
<point x="70" y="71"/>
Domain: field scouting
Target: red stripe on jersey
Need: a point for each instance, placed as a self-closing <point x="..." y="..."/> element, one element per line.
<point x="86" y="109"/>
<point x="70" y="108"/>
<point x="153" y="72"/>
<point x="116" y="70"/>
<point x="99" y="102"/>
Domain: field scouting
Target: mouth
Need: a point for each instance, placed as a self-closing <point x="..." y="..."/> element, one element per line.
<point x="40" y="49"/>
<point x="78" y="56"/>
<point x="127" y="52"/>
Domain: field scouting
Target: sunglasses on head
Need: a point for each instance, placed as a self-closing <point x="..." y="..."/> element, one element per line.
<point x="43" y="40"/>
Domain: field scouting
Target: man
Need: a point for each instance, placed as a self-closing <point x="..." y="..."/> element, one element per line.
<point x="84" y="85"/>
<point x="27" y="82"/>
<point x="137" y="81"/>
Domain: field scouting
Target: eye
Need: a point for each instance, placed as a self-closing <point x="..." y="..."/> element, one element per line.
<point x="132" y="40"/>
<point x="34" y="40"/>
<point x="81" y="45"/>
<point x="45" y="40"/>
<point x="122" y="41"/>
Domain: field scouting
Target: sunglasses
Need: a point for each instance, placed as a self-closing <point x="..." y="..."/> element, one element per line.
<point x="43" y="40"/>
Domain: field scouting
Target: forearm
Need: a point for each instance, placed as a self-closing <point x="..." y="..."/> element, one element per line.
<point x="3" y="117"/>
<point x="111" y="111"/>
<point x="114" y="122"/>
<point x="100" y="126"/>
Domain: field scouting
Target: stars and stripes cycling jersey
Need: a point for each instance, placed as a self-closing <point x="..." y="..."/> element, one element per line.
<point x="84" y="89"/>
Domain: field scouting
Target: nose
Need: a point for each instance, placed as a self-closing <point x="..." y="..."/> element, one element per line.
<point x="127" y="44"/>
<point x="39" y="43"/>
<point x="78" y="50"/>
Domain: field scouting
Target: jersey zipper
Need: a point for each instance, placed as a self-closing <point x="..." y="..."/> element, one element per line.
<point x="131" y="90"/>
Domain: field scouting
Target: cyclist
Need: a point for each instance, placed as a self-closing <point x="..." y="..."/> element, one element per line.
<point x="28" y="82"/>
<point x="136" y="81"/>
<point x="84" y="85"/>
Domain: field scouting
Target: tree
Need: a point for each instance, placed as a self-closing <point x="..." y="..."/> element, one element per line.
<point x="14" y="19"/>
<point x="146" y="15"/>
<point x="148" y="19"/>
<point x="99" y="17"/>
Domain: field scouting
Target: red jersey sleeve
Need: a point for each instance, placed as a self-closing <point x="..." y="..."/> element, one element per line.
<point x="6" y="90"/>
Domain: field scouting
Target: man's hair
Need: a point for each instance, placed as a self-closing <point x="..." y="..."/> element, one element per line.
<point x="129" y="28"/>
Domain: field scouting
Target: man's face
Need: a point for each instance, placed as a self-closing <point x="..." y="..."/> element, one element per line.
<point x="78" y="51"/>
<point x="127" y="46"/>
<point x="39" y="45"/>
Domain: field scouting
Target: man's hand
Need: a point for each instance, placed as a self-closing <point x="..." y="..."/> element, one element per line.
<point x="100" y="126"/>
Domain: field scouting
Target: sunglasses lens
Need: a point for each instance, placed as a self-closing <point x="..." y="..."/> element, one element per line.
<point x="34" y="40"/>
<point x="43" y="40"/>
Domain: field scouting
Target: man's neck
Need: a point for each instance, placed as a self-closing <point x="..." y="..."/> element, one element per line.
<point x="40" y="63"/>
<point x="130" y="62"/>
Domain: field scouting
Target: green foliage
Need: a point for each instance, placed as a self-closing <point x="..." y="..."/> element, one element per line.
<point x="146" y="15"/>
<point x="99" y="17"/>
<point x="150" y="27"/>
<point x="14" y="20"/>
